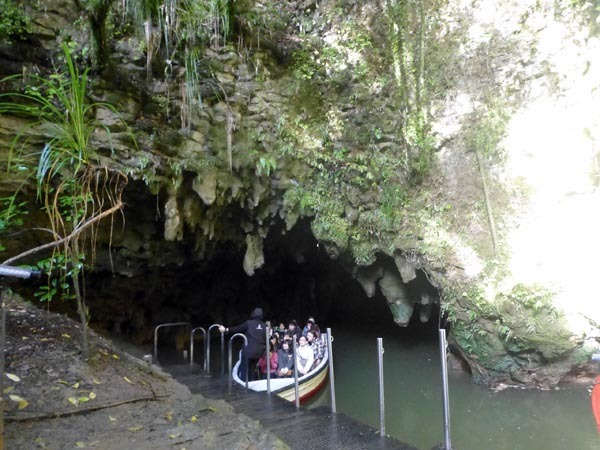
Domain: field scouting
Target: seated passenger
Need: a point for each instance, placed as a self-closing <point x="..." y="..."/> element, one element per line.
<point x="280" y="329"/>
<point x="262" y="362"/>
<point x="304" y="357"/>
<point x="317" y="346"/>
<point x="274" y="342"/>
<point x="285" y="360"/>
<point x="309" y="324"/>
<point x="293" y="328"/>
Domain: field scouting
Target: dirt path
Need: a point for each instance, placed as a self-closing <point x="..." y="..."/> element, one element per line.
<point x="113" y="401"/>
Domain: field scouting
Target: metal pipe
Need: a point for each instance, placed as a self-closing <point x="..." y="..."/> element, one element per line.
<point x="268" y="360"/>
<point x="331" y="376"/>
<point x="381" y="388"/>
<point x="242" y="335"/>
<point x="214" y="325"/>
<point x="164" y="325"/>
<point x="443" y="356"/>
<point x="192" y="346"/>
<point x="19" y="272"/>
<point x="296" y="386"/>
<point x="223" y="354"/>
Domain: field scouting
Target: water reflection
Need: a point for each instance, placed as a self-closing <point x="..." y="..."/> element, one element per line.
<point x="480" y="419"/>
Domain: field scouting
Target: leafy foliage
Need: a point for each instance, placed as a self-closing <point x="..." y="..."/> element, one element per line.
<point x="14" y="24"/>
<point x="75" y="194"/>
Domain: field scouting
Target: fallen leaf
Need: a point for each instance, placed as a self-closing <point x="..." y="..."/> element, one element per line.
<point x="76" y="385"/>
<point x="173" y="436"/>
<point x="169" y="415"/>
<point x="20" y="400"/>
<point x="193" y="419"/>
<point x="9" y="389"/>
<point x="115" y="356"/>
<point x="128" y="380"/>
<point x="138" y="428"/>
<point x="80" y="444"/>
<point x="62" y="382"/>
<point x="13" y="377"/>
<point x="45" y="339"/>
<point x="96" y="381"/>
<point x="65" y="335"/>
<point x="212" y="409"/>
<point x="112" y="419"/>
<point x="73" y="401"/>
<point x="92" y="395"/>
<point x="83" y="399"/>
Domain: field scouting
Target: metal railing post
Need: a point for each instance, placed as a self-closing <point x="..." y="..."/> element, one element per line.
<point x="165" y="325"/>
<point x="214" y="325"/>
<point x="242" y="335"/>
<point x="381" y="388"/>
<point x="331" y="376"/>
<point x="223" y="354"/>
<point x="192" y="346"/>
<point x="443" y="356"/>
<point x="296" y="386"/>
<point x="268" y="360"/>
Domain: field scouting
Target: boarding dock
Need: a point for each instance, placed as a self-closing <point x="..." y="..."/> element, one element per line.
<point x="301" y="429"/>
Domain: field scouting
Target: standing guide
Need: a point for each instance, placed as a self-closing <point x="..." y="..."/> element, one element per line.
<point x="255" y="330"/>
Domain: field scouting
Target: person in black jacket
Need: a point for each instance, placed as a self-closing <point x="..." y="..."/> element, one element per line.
<point x="255" y="330"/>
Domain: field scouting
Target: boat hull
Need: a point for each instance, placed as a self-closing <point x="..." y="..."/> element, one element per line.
<point x="307" y="389"/>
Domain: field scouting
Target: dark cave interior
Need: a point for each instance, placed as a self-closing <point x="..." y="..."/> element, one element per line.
<point x="298" y="280"/>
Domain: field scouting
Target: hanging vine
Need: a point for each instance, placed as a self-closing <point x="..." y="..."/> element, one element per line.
<point x="75" y="193"/>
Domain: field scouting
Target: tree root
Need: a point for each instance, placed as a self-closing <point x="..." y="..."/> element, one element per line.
<point x="74" y="412"/>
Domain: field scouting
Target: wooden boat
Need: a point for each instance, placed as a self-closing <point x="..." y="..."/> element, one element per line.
<point x="308" y="385"/>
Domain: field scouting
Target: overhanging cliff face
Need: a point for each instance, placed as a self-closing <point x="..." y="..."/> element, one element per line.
<point x="390" y="137"/>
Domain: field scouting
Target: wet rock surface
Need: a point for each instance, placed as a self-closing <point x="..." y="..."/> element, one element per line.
<point x="56" y="400"/>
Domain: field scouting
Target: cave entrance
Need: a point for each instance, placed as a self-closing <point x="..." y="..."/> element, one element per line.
<point x="298" y="280"/>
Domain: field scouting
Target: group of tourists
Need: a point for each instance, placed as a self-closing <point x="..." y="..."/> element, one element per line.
<point x="280" y="360"/>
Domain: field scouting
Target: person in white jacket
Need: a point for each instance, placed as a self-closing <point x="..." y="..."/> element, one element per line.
<point x="304" y="356"/>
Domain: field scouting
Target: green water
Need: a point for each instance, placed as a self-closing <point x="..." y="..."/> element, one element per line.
<point x="480" y="419"/>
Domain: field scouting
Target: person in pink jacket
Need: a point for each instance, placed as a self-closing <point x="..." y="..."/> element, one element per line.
<point x="262" y="362"/>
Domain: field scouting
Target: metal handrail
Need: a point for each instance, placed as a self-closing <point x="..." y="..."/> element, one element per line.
<point x="443" y="357"/>
<point x="222" y="354"/>
<point x="214" y="325"/>
<point x="192" y="346"/>
<point x="331" y="375"/>
<point x="268" y="359"/>
<point x="164" y="325"/>
<point x="296" y="385"/>
<point x="381" y="388"/>
<point x="242" y="335"/>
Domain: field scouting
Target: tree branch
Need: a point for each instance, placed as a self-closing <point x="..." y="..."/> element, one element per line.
<point x="73" y="235"/>
<point x="73" y="412"/>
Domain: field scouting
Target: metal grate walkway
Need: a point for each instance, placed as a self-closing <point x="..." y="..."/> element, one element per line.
<point x="303" y="429"/>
